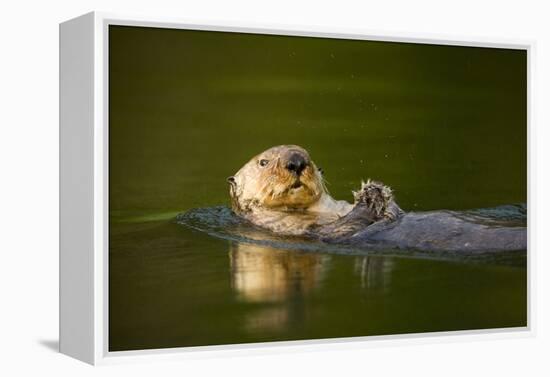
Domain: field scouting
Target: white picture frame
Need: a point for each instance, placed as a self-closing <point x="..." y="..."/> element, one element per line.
<point x="84" y="191"/>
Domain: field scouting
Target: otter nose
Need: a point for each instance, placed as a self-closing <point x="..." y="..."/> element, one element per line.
<point x="296" y="163"/>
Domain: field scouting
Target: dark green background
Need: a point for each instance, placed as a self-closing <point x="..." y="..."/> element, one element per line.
<point x="444" y="126"/>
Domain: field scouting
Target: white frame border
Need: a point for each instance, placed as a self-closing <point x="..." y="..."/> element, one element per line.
<point x="102" y="21"/>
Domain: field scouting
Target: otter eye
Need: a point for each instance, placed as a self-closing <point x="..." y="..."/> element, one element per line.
<point x="264" y="162"/>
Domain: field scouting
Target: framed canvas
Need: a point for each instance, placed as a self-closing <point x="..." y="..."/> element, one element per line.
<point x="239" y="188"/>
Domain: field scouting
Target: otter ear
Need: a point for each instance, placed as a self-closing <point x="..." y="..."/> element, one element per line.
<point x="231" y="180"/>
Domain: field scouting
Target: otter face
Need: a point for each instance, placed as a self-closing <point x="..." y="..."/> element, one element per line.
<point x="281" y="177"/>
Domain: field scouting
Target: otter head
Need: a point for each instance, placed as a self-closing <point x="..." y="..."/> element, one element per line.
<point x="282" y="177"/>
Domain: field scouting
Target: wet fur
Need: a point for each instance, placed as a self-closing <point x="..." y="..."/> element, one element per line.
<point x="266" y="196"/>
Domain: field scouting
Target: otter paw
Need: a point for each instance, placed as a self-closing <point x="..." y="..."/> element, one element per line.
<point x="375" y="195"/>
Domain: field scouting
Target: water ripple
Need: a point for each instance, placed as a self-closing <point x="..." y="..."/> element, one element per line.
<point x="221" y="222"/>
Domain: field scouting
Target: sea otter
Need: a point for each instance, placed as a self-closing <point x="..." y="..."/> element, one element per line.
<point x="282" y="190"/>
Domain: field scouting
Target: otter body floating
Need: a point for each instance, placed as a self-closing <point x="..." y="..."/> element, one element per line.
<point x="436" y="231"/>
<point x="282" y="190"/>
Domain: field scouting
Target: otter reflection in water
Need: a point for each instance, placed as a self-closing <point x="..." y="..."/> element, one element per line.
<point x="279" y="278"/>
<point x="279" y="281"/>
<point x="283" y="190"/>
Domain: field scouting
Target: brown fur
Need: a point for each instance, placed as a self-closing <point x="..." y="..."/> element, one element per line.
<point x="269" y="195"/>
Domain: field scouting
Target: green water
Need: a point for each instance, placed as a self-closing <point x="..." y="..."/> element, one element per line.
<point x="444" y="126"/>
